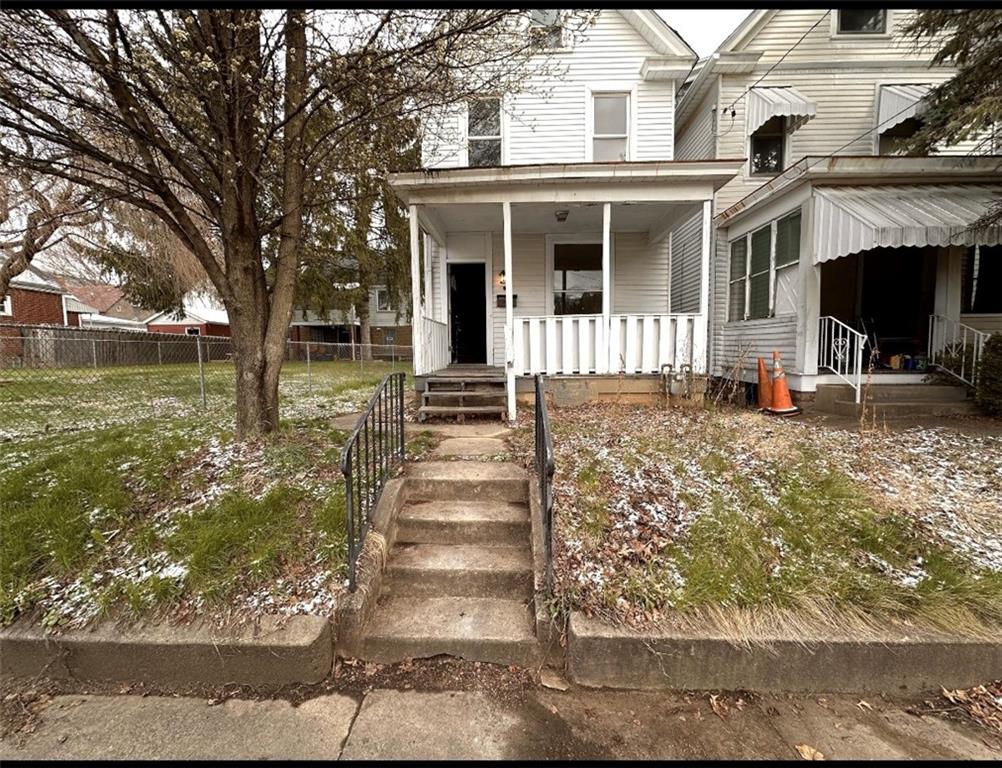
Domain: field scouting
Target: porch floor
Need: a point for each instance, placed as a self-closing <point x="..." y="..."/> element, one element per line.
<point x="467" y="371"/>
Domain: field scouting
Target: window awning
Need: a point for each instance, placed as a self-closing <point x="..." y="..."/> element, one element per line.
<point x="766" y="103"/>
<point x="897" y="103"/>
<point x="853" y="219"/>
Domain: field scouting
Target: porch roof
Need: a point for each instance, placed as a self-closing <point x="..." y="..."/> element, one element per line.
<point x="851" y="219"/>
<point x="598" y="182"/>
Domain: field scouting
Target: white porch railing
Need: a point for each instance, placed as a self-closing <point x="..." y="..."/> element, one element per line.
<point x="434" y="347"/>
<point x="568" y="344"/>
<point x="840" y="350"/>
<point x="955" y="348"/>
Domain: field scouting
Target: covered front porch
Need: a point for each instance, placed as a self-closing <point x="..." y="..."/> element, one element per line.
<point x="562" y="270"/>
<point x="861" y="268"/>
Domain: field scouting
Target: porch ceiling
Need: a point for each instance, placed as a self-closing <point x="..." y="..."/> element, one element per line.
<point x="541" y="218"/>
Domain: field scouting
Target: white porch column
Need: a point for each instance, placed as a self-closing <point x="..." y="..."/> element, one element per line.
<point x="607" y="283"/>
<point x="509" y="313"/>
<point x="809" y="300"/>
<point x="416" y="324"/>
<point x="700" y="342"/>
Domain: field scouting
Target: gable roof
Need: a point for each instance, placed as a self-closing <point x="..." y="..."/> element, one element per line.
<point x="198" y="308"/>
<point x="658" y="33"/>
<point x="33" y="280"/>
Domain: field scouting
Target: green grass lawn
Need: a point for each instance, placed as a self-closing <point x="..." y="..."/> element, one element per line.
<point x="129" y="507"/>
<point x="666" y="514"/>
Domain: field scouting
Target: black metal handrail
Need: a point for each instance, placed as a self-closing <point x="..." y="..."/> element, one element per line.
<point x="545" y="466"/>
<point x="374" y="450"/>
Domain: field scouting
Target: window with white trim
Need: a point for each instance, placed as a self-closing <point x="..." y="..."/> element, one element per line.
<point x="610" y="127"/>
<point x="545" y="29"/>
<point x="483" y="132"/>
<point x="767" y="148"/>
<point x="787" y="260"/>
<point x="6" y="307"/>
<point x="861" y="21"/>
<point x="577" y="278"/>
<point x="764" y="270"/>
<point x="383" y="302"/>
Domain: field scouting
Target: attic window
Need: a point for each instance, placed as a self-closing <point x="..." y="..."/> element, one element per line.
<point x="862" y="21"/>
<point x="545" y="30"/>
<point x="484" y="132"/>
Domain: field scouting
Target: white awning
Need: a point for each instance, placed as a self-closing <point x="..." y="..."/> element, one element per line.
<point x="766" y="103"/>
<point x="897" y="103"/>
<point x="853" y="219"/>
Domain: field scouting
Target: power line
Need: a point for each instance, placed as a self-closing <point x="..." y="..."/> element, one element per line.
<point x="777" y="62"/>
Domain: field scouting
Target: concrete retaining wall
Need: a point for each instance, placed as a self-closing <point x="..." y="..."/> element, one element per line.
<point x="298" y="649"/>
<point x="601" y="655"/>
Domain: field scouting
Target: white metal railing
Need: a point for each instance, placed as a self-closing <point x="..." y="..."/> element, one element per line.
<point x="434" y="354"/>
<point x="955" y="348"/>
<point x="840" y="350"/>
<point x="582" y="344"/>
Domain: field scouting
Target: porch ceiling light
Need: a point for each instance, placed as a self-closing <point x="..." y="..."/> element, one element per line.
<point x="561" y="216"/>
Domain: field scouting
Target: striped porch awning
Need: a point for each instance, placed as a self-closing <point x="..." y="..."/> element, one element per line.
<point x="767" y="103"/>
<point x="851" y="219"/>
<point x="897" y="103"/>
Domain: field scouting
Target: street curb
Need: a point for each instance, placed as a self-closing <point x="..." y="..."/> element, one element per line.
<point x="278" y="651"/>
<point x="601" y="655"/>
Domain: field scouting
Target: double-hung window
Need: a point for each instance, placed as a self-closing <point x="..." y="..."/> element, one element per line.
<point x="610" y="127"/>
<point x="5" y="306"/>
<point x="483" y="132"/>
<point x="768" y="147"/>
<point x="763" y="271"/>
<point x="383" y="303"/>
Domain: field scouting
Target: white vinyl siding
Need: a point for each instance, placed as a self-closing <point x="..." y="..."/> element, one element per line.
<point x="742" y="343"/>
<point x="686" y="263"/>
<point x="546" y="122"/>
<point x="697" y="140"/>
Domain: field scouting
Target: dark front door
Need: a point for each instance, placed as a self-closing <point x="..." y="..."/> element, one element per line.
<point x="468" y="312"/>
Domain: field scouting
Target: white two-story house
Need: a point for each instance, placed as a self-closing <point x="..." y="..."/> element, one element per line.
<point x="543" y="223"/>
<point x="828" y="244"/>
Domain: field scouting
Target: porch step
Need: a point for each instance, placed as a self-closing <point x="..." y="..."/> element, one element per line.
<point x="465" y="480"/>
<point x="461" y="570"/>
<point x="446" y="396"/>
<point x="463" y="522"/>
<point x="459" y="410"/>
<point x="473" y="628"/>
<point x="459" y="382"/>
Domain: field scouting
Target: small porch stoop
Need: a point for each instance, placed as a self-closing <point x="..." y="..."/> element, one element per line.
<point x="897" y="401"/>
<point x="459" y="577"/>
<point x="460" y="391"/>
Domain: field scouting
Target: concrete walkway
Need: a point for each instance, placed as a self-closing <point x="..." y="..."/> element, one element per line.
<point x="537" y="723"/>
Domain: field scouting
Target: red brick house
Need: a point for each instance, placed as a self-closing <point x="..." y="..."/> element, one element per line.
<point x="202" y="316"/>
<point x="36" y="300"/>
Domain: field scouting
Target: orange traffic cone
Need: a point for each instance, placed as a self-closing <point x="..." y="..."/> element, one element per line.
<point x="764" y="387"/>
<point x="782" y="403"/>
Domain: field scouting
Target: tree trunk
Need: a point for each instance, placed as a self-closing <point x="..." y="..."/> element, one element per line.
<point x="365" y="329"/>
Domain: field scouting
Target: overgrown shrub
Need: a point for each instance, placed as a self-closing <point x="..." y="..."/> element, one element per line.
<point x="989" y="391"/>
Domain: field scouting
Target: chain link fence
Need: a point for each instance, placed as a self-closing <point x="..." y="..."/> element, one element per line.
<point x="54" y="378"/>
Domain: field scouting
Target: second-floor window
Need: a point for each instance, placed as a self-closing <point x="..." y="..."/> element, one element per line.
<point x="768" y="147"/>
<point x="383" y="303"/>
<point x="5" y="306"/>
<point x="484" y="132"/>
<point x="610" y="127"/>
<point x="861" y="21"/>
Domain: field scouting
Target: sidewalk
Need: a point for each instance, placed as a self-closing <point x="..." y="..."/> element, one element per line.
<point x="461" y="710"/>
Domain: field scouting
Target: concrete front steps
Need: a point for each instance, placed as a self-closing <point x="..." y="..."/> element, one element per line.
<point x="893" y="401"/>
<point x="458" y="579"/>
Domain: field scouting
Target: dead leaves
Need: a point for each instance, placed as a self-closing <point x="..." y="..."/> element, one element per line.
<point x="983" y="703"/>
<point x="808" y="752"/>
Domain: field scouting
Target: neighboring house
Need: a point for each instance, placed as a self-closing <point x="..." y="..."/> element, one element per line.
<point x="109" y="307"/>
<point x="202" y="315"/>
<point x="35" y="299"/>
<point x="542" y="228"/>
<point x="828" y="243"/>
<point x="387" y="326"/>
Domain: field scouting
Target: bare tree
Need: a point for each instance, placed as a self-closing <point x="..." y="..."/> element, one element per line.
<point x="38" y="214"/>
<point x="207" y="120"/>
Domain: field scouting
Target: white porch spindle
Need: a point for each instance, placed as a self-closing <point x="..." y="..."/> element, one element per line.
<point x="699" y="356"/>
<point x="551" y="345"/>
<point x="585" y="356"/>
<point x="567" y="344"/>
<point x="509" y="312"/>
<point x="415" y="234"/>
